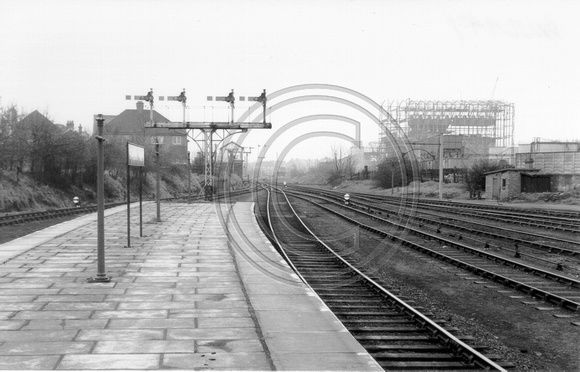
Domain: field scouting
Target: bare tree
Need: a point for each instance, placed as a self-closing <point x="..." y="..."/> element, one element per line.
<point x="343" y="164"/>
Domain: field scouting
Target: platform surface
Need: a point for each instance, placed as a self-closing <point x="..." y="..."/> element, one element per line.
<point x="202" y="289"/>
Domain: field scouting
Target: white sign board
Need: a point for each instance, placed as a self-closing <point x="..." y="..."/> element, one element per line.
<point x="135" y="155"/>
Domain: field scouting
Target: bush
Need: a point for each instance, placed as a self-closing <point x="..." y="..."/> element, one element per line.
<point x="392" y="171"/>
<point x="476" y="174"/>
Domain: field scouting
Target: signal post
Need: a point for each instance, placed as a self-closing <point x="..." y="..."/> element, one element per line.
<point x="209" y="128"/>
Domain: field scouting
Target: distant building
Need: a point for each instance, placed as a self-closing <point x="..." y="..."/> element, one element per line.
<point x="36" y="120"/>
<point x="70" y="128"/>
<point x="550" y="156"/>
<point x="507" y="183"/>
<point x="52" y="152"/>
<point x="107" y="120"/>
<point x="129" y="126"/>
<point x="466" y="130"/>
<point x="558" y="159"/>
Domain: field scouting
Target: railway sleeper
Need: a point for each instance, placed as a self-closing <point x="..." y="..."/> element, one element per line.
<point x="409" y="329"/>
<point x="433" y="355"/>
<point x="325" y="275"/>
<point x="424" y="365"/>
<point x="347" y="294"/>
<point x="384" y="313"/>
<point x="354" y="300"/>
<point x="369" y="307"/>
<point x="335" y="286"/>
<point x="396" y="338"/>
<point x="425" y="347"/>
<point x="380" y="321"/>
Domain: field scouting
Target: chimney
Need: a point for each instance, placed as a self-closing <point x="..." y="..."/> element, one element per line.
<point x="139" y="106"/>
<point x="80" y="129"/>
<point x="70" y="125"/>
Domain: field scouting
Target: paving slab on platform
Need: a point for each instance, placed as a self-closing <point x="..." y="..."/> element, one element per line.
<point x="203" y="289"/>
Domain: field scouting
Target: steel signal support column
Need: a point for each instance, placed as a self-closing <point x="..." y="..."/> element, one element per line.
<point x="101" y="275"/>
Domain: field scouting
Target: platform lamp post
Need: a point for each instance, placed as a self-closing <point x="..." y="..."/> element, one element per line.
<point x="101" y="275"/>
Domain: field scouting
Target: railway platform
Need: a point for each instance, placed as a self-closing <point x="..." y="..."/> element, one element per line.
<point x="202" y="289"/>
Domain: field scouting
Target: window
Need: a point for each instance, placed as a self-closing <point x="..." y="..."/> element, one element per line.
<point x="155" y="140"/>
<point x="503" y="182"/>
<point x="176" y="140"/>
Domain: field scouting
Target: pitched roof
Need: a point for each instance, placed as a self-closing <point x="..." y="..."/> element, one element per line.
<point x="35" y="117"/>
<point x="132" y="122"/>
<point x="512" y="170"/>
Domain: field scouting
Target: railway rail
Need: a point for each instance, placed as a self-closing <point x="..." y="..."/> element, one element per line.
<point x="446" y="217"/>
<point x="566" y="222"/>
<point x="26" y="217"/>
<point x="547" y="285"/>
<point x="557" y="215"/>
<point x="19" y="218"/>
<point x="395" y="333"/>
<point x="545" y="218"/>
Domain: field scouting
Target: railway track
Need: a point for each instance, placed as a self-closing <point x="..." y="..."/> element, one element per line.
<point x="566" y="222"/>
<point x="555" y="215"/>
<point x="396" y="334"/>
<point x="546" y="285"/>
<point x="26" y="217"/>
<point x="543" y="218"/>
<point x="566" y="243"/>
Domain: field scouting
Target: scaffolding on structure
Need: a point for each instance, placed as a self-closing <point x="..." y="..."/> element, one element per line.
<point x="478" y="125"/>
<point x="466" y="130"/>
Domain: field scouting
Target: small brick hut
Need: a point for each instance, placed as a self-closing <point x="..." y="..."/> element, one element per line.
<point x="506" y="183"/>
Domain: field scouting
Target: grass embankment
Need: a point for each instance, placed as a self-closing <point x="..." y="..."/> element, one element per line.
<point x="24" y="194"/>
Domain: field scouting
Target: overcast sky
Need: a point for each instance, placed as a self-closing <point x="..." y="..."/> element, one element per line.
<point x="73" y="59"/>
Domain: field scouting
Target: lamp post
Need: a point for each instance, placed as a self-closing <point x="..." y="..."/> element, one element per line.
<point x="101" y="275"/>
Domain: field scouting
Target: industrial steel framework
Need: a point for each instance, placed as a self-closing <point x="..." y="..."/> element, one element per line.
<point x="493" y="121"/>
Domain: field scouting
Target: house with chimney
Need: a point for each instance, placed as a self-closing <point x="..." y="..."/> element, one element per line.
<point x="129" y="126"/>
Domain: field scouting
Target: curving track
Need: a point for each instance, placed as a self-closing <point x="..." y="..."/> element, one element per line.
<point x="561" y="289"/>
<point x="397" y="335"/>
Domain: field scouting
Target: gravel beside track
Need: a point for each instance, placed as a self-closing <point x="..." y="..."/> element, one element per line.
<point x="518" y="332"/>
